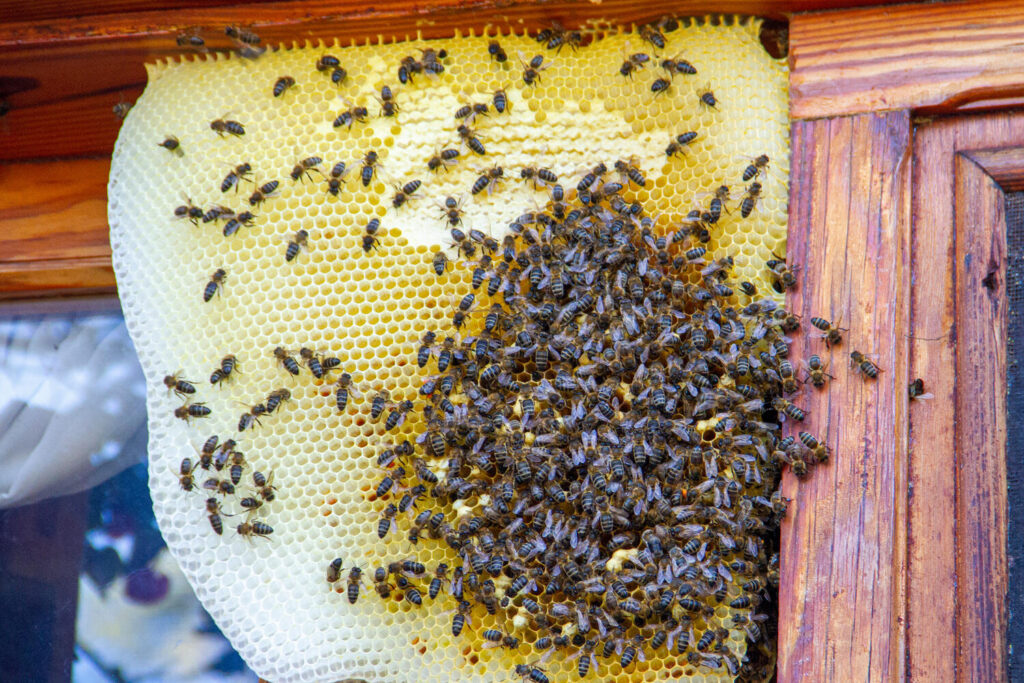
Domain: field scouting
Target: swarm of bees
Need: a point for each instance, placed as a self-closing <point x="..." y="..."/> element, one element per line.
<point x="605" y="405"/>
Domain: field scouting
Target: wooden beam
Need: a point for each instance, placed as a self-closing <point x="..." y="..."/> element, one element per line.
<point x="981" y="313"/>
<point x="842" y="598"/>
<point x="53" y="219"/>
<point x="924" y="56"/>
<point x="957" y="452"/>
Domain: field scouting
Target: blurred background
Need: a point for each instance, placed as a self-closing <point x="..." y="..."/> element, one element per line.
<point x="88" y="590"/>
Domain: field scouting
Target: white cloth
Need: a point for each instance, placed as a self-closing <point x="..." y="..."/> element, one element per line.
<point x="71" y="395"/>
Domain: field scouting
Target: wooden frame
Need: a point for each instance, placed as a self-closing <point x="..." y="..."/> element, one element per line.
<point x="899" y="569"/>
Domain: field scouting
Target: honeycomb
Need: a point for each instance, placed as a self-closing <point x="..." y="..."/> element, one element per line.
<point x="370" y="309"/>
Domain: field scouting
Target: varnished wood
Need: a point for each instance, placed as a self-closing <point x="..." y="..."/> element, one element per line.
<point x="981" y="311"/>
<point x="923" y="56"/>
<point x="1003" y="165"/>
<point x="843" y="554"/>
<point x="962" y="166"/>
<point x="53" y="223"/>
<point x="931" y="538"/>
<point x="62" y="79"/>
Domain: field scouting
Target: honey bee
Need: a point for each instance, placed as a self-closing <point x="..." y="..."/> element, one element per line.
<point x="660" y="86"/>
<point x="345" y="387"/>
<point x="534" y="674"/>
<point x="790" y="410"/>
<point x="264" y="488"/>
<point x="297" y="242"/>
<point x="916" y="390"/>
<point x="496" y="52"/>
<point x="633" y="63"/>
<point x="452" y="211"/>
<point x="213" y="286"/>
<point x="500" y="101"/>
<point x="239" y="172"/>
<point x="707" y="98"/>
<point x="190" y="211"/>
<point x="286" y="360"/>
<point x="439" y="262"/>
<point x="866" y="366"/>
<point x="351" y="115"/>
<point x="488" y="180"/>
<point x="833" y="333"/>
<point x="653" y="35"/>
<point x="782" y="275"/>
<point x="627" y="170"/>
<point x="337" y="177"/>
<point x="181" y="387"/>
<point x="471" y="111"/>
<point x="679" y="144"/>
<point x="750" y="199"/>
<point x="326" y="62"/>
<point x="538" y="175"/>
<point x="397" y="415"/>
<point x="221" y="126"/>
<point x="304" y="166"/>
<point x="379" y="401"/>
<point x="121" y="110"/>
<point x="443" y="159"/>
<point x="370" y="242"/>
<point x="755" y="168"/>
<point x="171" y="144"/>
<point x="213" y="514"/>
<point x="388" y="106"/>
<point x="191" y="38"/>
<point x="185" y="478"/>
<point x="677" y="65"/>
<point x="404" y="193"/>
<point x="191" y="410"/>
<point x="263" y="192"/>
<point x="242" y="34"/>
<point x="251" y="418"/>
<point x="533" y="68"/>
<point x="334" y="570"/>
<point x="276" y="398"/>
<point x="815" y="369"/>
<point x="254" y="529"/>
<point x="370" y="163"/>
<point x="355" y="579"/>
<point x="381" y="584"/>
<point x="282" y="84"/>
<point x="819" y="450"/>
<point x="468" y="135"/>
<point x="408" y="68"/>
<point x="244" y="219"/>
<point x="313" y="362"/>
<point x="221" y="487"/>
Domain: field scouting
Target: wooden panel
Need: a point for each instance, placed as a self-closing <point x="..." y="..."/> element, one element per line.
<point x="47" y="10"/>
<point x="842" y="595"/>
<point x="61" y="80"/>
<point x="944" y="549"/>
<point x="981" y="425"/>
<point x="925" y="56"/>
<point x="53" y="219"/>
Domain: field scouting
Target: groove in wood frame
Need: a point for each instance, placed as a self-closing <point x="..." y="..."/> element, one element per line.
<point x="842" y="601"/>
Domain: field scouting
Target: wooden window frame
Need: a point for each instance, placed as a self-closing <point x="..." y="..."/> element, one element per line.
<point x="894" y="565"/>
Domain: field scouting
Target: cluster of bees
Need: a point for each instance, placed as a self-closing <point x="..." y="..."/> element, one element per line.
<point x="611" y="428"/>
<point x="224" y="464"/>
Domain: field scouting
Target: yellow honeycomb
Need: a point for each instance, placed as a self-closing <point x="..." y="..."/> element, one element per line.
<point x="270" y="596"/>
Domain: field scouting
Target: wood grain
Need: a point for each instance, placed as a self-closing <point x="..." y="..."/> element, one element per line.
<point x="53" y="223"/>
<point x="62" y="79"/>
<point x="981" y="313"/>
<point x="948" y="153"/>
<point x="843" y="555"/>
<point x="48" y="10"/>
<point x="924" y="56"/>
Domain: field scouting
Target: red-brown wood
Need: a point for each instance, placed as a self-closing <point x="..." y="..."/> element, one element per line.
<point x="61" y="79"/>
<point x="957" y="457"/>
<point x="53" y="219"/>
<point x="843" y="554"/>
<point x="923" y="56"/>
<point x="981" y="314"/>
